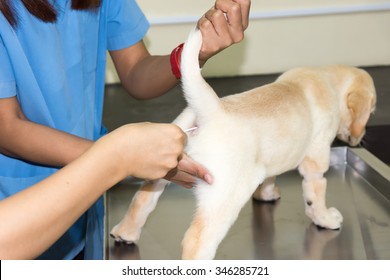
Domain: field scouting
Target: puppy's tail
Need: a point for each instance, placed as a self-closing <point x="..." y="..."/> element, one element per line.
<point x="201" y="98"/>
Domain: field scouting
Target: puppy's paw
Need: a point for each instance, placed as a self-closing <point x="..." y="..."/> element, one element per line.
<point x="268" y="194"/>
<point x="330" y="218"/>
<point x="123" y="234"/>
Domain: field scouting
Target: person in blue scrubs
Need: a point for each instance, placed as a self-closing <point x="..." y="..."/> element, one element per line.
<point x="53" y="59"/>
<point x="35" y="217"/>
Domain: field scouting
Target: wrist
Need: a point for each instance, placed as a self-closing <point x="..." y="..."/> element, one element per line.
<point x="202" y="62"/>
<point x="175" y="59"/>
<point x="109" y="159"/>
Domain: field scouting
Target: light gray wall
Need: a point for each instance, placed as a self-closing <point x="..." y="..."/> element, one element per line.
<point x="282" y="34"/>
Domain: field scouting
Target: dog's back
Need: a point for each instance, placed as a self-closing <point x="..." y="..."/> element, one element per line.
<point x="285" y="113"/>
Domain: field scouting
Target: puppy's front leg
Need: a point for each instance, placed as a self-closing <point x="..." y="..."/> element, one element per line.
<point x="143" y="203"/>
<point x="314" y="192"/>
<point x="145" y="200"/>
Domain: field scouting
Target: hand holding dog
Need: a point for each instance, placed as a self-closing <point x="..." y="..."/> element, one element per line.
<point x="223" y="25"/>
<point x="153" y="151"/>
<point x="147" y="150"/>
<point x="188" y="172"/>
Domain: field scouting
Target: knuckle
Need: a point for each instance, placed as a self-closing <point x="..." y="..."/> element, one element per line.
<point x="172" y="163"/>
<point x="229" y="41"/>
<point x="204" y="24"/>
<point x="159" y="174"/>
<point x="208" y="13"/>
<point x="216" y="14"/>
<point x="178" y="152"/>
<point x="174" y="131"/>
<point x="180" y="136"/>
<point x="239" y="37"/>
<point x="245" y="25"/>
<point x="235" y="7"/>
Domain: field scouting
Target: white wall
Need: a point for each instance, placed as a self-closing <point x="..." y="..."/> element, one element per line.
<point x="282" y="34"/>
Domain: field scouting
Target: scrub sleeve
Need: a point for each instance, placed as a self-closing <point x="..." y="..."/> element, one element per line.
<point x="72" y="52"/>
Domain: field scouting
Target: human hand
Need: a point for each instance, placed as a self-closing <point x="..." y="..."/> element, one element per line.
<point x="188" y="172"/>
<point x="146" y="150"/>
<point x="223" y="25"/>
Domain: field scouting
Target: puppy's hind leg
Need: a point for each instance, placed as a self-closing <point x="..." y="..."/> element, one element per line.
<point x="143" y="203"/>
<point x="267" y="191"/>
<point x="314" y="191"/>
<point x="218" y="208"/>
<point x="207" y="230"/>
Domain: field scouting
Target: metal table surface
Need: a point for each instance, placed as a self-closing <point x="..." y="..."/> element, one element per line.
<point x="358" y="185"/>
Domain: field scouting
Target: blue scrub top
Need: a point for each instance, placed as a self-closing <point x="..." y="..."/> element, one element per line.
<point x="56" y="71"/>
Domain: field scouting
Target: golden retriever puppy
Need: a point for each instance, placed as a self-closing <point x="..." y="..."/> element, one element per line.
<point x="247" y="139"/>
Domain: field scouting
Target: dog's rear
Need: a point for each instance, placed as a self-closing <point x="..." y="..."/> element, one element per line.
<point x="222" y="150"/>
<point x="247" y="139"/>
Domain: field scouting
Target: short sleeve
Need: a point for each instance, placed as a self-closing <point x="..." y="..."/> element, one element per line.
<point x="7" y="78"/>
<point x="126" y="24"/>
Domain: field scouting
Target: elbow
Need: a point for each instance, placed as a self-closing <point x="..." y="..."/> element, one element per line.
<point x="136" y="93"/>
<point x="8" y="126"/>
<point x="139" y="97"/>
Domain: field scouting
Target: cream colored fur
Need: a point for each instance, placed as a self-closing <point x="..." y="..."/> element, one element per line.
<point x="247" y="139"/>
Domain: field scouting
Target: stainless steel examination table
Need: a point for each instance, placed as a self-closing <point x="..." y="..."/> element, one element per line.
<point x="358" y="185"/>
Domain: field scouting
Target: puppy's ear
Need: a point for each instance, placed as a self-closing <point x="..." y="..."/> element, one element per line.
<point x="359" y="104"/>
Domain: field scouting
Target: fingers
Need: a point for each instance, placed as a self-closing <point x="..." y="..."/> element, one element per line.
<point x="188" y="172"/>
<point x="181" y="178"/>
<point x="233" y="17"/>
<point x="216" y="32"/>
<point x="149" y="150"/>
<point x="217" y="21"/>
<point x="229" y="14"/>
<point x="223" y="25"/>
<point x="189" y="166"/>
<point x="153" y="151"/>
<point x="244" y="9"/>
<point x="170" y="146"/>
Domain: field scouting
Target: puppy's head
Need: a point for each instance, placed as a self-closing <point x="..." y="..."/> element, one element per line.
<point x="360" y="102"/>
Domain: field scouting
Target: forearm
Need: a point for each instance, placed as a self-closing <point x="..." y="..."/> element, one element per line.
<point x="37" y="143"/>
<point x="35" y="218"/>
<point x="151" y="78"/>
<point x="143" y="75"/>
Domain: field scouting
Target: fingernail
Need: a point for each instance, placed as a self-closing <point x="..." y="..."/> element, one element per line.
<point x="208" y="179"/>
